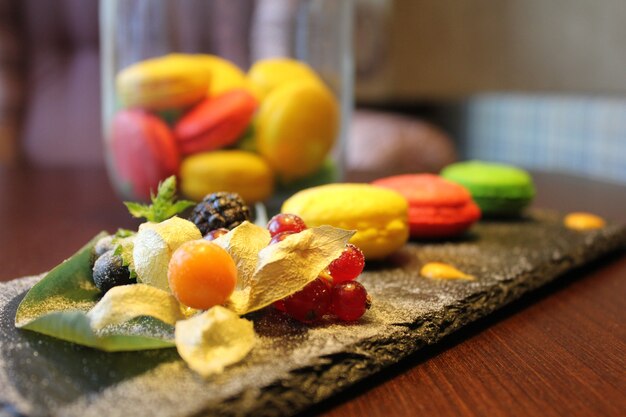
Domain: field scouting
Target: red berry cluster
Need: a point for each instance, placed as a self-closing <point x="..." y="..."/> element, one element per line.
<point x="334" y="292"/>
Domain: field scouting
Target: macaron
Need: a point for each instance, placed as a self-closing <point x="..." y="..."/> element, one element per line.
<point x="498" y="189"/>
<point x="267" y="74"/>
<point x="378" y="215"/>
<point x="216" y="122"/>
<point x="437" y="207"/>
<point x="171" y="81"/>
<point x="241" y="172"/>
<point x="144" y="152"/>
<point x="225" y="75"/>
<point x="296" y="127"/>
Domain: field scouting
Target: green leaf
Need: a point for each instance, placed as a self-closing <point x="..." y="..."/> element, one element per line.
<point x="74" y="326"/>
<point x="58" y="306"/>
<point x="164" y="204"/>
<point x="122" y="233"/>
<point x="138" y="210"/>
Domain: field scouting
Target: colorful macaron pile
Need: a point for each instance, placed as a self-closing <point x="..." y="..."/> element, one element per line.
<point x="278" y="122"/>
<point x="388" y="211"/>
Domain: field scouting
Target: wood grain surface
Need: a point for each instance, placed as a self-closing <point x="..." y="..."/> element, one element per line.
<point x="558" y="351"/>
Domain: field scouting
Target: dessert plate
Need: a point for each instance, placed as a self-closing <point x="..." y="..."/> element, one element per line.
<point x="295" y="366"/>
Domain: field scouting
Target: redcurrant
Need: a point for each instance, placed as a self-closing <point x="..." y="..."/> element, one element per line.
<point x="285" y="222"/>
<point x="280" y="237"/>
<point x="279" y="305"/>
<point x="349" y="301"/>
<point x="309" y="304"/>
<point x="348" y="266"/>
<point x="214" y="234"/>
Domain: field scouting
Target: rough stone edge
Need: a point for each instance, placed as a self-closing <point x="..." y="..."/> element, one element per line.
<point x="310" y="385"/>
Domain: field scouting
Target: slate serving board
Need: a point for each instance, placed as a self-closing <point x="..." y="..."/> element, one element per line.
<point x="295" y="366"/>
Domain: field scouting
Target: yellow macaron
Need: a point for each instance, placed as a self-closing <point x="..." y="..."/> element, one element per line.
<point x="267" y="74"/>
<point x="296" y="128"/>
<point x="225" y="75"/>
<point x="378" y="215"/>
<point x="168" y="82"/>
<point x="236" y="171"/>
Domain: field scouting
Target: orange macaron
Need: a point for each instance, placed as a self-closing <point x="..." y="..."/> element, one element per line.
<point x="215" y="122"/>
<point x="438" y="208"/>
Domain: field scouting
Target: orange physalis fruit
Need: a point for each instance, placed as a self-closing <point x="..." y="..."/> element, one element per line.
<point x="201" y="274"/>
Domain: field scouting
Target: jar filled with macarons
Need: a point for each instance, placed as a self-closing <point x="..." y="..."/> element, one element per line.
<point x="251" y="97"/>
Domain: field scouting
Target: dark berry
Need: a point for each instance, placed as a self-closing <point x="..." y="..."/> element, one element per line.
<point x="214" y="234"/>
<point x="279" y="237"/>
<point x="103" y="245"/>
<point x="349" y="301"/>
<point x="309" y="304"/>
<point x="217" y="210"/>
<point x="109" y="272"/>
<point x="348" y="266"/>
<point x="285" y="222"/>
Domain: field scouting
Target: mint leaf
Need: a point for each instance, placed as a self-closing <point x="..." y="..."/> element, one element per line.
<point x="138" y="210"/>
<point x="164" y="204"/>
<point x="121" y="233"/>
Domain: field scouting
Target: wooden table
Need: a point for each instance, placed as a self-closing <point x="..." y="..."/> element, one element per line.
<point x="560" y="351"/>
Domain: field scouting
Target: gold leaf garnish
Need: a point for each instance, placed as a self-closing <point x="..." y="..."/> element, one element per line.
<point x="213" y="340"/>
<point x="154" y="245"/>
<point x="244" y="243"/>
<point x="126" y="302"/>
<point x="285" y="267"/>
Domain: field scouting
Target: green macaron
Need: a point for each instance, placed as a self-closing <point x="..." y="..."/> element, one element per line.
<point x="498" y="189"/>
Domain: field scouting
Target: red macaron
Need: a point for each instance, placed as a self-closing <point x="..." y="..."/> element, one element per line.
<point x="215" y="122"/>
<point x="438" y="208"/>
<point x="144" y="151"/>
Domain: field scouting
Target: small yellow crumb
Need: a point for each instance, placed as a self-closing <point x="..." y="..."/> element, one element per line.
<point x="440" y="270"/>
<point x="583" y="221"/>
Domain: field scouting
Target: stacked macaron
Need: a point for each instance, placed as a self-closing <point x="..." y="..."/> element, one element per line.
<point x="498" y="189"/>
<point x="437" y="208"/>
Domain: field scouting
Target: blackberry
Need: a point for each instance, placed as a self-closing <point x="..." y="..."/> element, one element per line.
<point x="222" y="209"/>
<point x="109" y="272"/>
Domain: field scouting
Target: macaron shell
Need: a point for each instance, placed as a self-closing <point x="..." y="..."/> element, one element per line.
<point x="496" y="206"/>
<point x="215" y="122"/>
<point x="231" y="170"/>
<point x="267" y="74"/>
<point x="144" y="151"/>
<point x="426" y="189"/>
<point x="172" y="81"/>
<point x="498" y="189"/>
<point x="489" y="179"/>
<point x="378" y="215"/>
<point x="296" y="127"/>
<point x="439" y="222"/>
<point x="437" y="207"/>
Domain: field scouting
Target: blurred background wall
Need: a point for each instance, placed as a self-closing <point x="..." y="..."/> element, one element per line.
<point x="532" y="82"/>
<point x="537" y="83"/>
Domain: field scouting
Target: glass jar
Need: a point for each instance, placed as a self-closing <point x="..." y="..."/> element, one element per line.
<point x="246" y="96"/>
